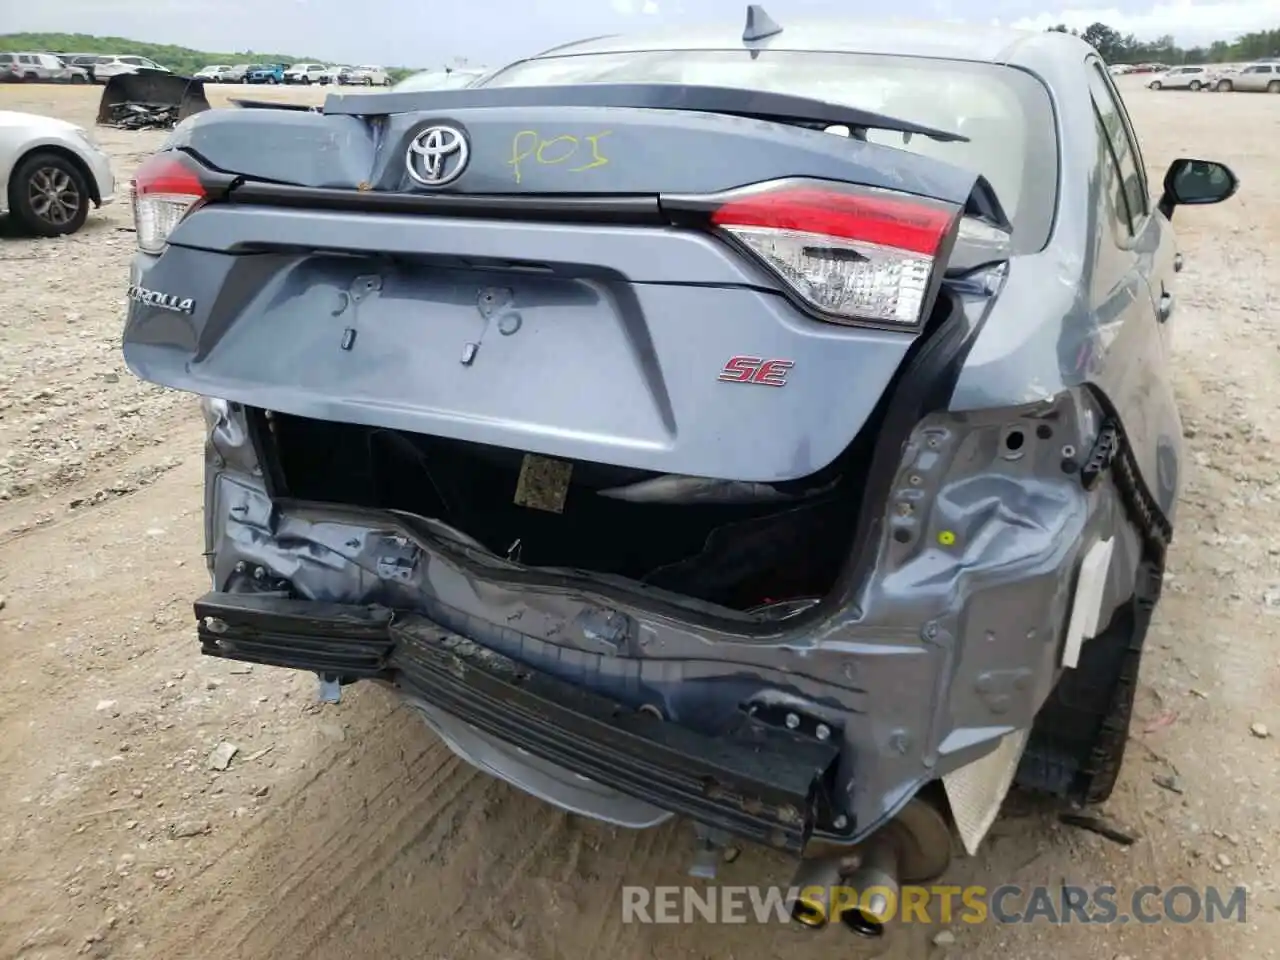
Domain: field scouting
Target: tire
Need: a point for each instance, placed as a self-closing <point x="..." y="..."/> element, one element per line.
<point x="1078" y="741"/>
<point x="49" y="195"/>
<point x="1224" y="86"/>
<point x="1154" y="85"/>
<point x="1195" y="86"/>
<point x="1273" y="86"/>
<point x="272" y="80"/>
<point x="76" y="78"/>
<point x="306" y="81"/>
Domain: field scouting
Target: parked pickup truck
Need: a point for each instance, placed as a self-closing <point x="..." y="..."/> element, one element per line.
<point x="734" y="452"/>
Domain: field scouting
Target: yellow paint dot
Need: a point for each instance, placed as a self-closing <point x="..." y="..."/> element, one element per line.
<point x="946" y="538"/>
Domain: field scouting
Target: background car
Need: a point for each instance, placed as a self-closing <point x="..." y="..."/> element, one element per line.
<point x="265" y="73"/>
<point x="369" y="77"/>
<point x="306" y="73"/>
<point x="438" y="80"/>
<point x="1256" y="77"/>
<point x="1182" y="78"/>
<point x="47" y="67"/>
<point x="108" y="67"/>
<point x="335" y="74"/>
<point x="216" y="73"/>
<point x="51" y="172"/>
<point x="85" y="61"/>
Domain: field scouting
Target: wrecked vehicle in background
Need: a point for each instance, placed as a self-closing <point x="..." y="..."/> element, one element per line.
<point x="150" y="100"/>
<point x="815" y="511"/>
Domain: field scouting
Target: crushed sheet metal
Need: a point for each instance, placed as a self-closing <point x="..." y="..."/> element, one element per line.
<point x="977" y="790"/>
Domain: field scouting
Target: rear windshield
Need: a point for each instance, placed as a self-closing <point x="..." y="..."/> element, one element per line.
<point x="1006" y="113"/>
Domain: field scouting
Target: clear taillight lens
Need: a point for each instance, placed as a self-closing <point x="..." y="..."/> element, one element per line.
<point x="855" y="254"/>
<point x="164" y="191"/>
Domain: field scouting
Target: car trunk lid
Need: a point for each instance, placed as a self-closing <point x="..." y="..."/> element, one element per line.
<point x="566" y="294"/>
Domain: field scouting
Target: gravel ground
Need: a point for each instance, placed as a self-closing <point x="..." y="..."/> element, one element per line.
<point x="346" y="830"/>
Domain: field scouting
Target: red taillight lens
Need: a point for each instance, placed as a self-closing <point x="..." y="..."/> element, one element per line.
<point x="856" y="254"/>
<point x="165" y="189"/>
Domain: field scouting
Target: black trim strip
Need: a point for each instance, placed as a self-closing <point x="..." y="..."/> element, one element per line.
<point x="761" y="783"/>
<point x="564" y="208"/>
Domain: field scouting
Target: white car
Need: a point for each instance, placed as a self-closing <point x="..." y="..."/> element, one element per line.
<point x="1263" y="76"/>
<point x="368" y="76"/>
<point x="51" y="171"/>
<point x="305" y="73"/>
<point x="108" y="67"/>
<point x="39" y="66"/>
<point x="438" y="80"/>
<point x="1182" y="78"/>
<point x="220" y="73"/>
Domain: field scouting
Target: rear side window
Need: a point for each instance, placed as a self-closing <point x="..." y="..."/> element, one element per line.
<point x="1117" y="204"/>
<point x="1123" y="144"/>
<point x="6" y="58"/>
<point x="1007" y="114"/>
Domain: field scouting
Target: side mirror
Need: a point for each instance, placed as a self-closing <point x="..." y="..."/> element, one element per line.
<point x="1193" y="182"/>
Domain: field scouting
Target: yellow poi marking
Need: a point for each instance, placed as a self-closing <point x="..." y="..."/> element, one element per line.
<point x="947" y="538"/>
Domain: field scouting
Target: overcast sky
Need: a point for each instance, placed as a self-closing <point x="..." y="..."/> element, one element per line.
<point x="489" y="32"/>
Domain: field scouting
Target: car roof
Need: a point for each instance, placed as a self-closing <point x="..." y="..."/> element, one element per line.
<point x="946" y="40"/>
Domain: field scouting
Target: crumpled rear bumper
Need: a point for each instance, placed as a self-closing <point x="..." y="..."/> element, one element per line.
<point x="944" y="646"/>
<point x="758" y="782"/>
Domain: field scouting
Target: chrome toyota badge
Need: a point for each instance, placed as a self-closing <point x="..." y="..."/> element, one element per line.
<point x="437" y="156"/>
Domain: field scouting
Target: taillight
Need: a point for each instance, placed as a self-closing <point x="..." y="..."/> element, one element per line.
<point x="855" y="254"/>
<point x="165" y="189"/>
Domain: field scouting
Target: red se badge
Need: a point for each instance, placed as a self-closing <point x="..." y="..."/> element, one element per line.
<point x="768" y="373"/>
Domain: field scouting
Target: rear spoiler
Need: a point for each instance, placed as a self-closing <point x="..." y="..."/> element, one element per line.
<point x="756" y="104"/>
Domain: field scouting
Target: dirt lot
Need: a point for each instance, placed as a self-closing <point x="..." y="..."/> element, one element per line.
<point x="348" y="830"/>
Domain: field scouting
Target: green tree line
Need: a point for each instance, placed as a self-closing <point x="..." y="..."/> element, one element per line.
<point x="1115" y="47"/>
<point x="182" y="60"/>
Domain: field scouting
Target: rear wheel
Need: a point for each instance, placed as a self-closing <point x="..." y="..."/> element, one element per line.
<point x="1195" y="86"/>
<point x="1078" y="741"/>
<point x="76" y="78"/>
<point x="48" y="195"/>
<point x="1224" y="86"/>
<point x="1155" y="84"/>
<point x="1273" y="86"/>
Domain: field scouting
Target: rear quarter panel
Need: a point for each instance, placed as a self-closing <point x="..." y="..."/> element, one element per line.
<point x="1081" y="312"/>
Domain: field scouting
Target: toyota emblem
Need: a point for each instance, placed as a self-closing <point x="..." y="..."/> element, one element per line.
<point x="437" y="156"/>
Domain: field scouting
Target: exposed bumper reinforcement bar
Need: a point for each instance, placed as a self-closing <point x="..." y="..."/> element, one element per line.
<point x="759" y="783"/>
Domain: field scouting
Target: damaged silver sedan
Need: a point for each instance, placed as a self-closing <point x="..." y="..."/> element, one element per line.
<point x="772" y="429"/>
